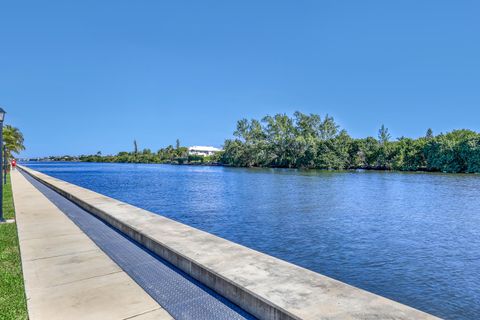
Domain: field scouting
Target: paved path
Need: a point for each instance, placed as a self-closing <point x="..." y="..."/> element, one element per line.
<point x="66" y="275"/>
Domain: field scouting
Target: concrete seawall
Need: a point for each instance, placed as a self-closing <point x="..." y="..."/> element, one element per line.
<point x="267" y="287"/>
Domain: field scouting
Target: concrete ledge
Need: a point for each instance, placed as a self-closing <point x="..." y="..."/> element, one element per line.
<point x="267" y="287"/>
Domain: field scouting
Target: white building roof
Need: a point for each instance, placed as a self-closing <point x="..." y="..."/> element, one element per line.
<point x="204" y="148"/>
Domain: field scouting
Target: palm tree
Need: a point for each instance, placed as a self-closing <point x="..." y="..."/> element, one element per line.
<point x="13" y="140"/>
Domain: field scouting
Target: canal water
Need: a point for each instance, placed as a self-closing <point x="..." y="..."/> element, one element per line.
<point x="411" y="237"/>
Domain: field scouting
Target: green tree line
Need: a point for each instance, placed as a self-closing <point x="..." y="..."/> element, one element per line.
<point x="312" y="142"/>
<point x="169" y="154"/>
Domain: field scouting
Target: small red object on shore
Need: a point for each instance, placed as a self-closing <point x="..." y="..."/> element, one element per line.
<point x="14" y="163"/>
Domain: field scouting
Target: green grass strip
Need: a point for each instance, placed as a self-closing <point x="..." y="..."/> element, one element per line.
<point x="12" y="291"/>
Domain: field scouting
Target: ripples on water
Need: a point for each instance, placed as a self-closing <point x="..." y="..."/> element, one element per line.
<point x="411" y="237"/>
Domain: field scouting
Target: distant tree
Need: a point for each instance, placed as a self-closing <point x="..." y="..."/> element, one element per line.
<point x="135" y="147"/>
<point x="408" y="154"/>
<point x="328" y="128"/>
<point x="307" y="126"/>
<point x="429" y="134"/>
<point x="383" y="135"/>
<point x="177" y="144"/>
<point x="456" y="151"/>
<point x="280" y="136"/>
<point x="384" y="152"/>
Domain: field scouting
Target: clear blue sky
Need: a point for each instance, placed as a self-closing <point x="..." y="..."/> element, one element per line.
<point x="82" y="76"/>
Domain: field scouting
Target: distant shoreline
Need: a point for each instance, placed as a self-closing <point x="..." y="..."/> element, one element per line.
<point x="313" y="142"/>
<point x="212" y="164"/>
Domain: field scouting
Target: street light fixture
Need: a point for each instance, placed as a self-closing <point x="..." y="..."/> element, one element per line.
<point x="2" y="117"/>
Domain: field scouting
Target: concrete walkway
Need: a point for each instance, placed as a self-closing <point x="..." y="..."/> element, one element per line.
<point x="66" y="275"/>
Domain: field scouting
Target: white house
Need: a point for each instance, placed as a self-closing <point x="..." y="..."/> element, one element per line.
<point x="203" y="150"/>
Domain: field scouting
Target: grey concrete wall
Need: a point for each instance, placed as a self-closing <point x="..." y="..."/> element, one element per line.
<point x="267" y="287"/>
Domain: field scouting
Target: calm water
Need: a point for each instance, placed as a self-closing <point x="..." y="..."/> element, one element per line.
<point x="414" y="238"/>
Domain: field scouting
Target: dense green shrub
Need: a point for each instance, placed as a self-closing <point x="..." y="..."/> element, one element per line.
<point x="307" y="141"/>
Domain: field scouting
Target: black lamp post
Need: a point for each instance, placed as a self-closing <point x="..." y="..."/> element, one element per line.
<point x="5" y="163"/>
<point x="2" y="116"/>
